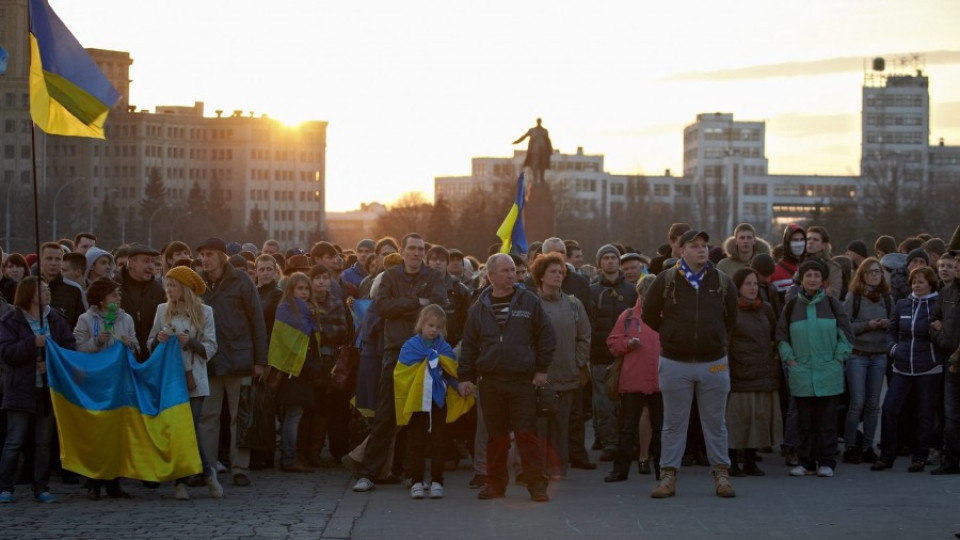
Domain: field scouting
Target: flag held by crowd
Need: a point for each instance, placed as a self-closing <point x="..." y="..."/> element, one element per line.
<point x="69" y="95"/>
<point x="511" y="230"/>
<point x="291" y="338"/>
<point x="425" y="375"/>
<point x="117" y="417"/>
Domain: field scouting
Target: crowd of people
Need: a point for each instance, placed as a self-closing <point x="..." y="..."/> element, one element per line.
<point x="394" y="352"/>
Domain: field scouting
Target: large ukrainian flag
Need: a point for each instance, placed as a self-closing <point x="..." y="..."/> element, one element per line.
<point x="69" y="95"/>
<point x="119" y="418"/>
<point x="511" y="230"/>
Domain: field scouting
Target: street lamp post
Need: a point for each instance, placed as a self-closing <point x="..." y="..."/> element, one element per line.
<point x="150" y="224"/>
<point x="56" y="198"/>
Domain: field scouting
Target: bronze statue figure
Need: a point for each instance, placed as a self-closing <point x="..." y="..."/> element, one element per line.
<point x="539" y="150"/>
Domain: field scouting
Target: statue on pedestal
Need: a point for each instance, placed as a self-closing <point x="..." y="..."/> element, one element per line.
<point x="539" y="150"/>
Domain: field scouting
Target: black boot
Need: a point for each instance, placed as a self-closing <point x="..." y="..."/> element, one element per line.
<point x="750" y="463"/>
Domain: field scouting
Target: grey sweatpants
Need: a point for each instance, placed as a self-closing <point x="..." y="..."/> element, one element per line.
<point x="679" y="382"/>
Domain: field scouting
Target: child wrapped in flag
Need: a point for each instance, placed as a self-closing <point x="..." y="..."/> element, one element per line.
<point x="425" y="388"/>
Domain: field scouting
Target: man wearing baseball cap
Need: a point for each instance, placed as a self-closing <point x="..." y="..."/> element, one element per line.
<point x="242" y="351"/>
<point x="693" y="306"/>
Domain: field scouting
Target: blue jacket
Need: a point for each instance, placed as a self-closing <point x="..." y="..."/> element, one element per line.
<point x="908" y="336"/>
<point x="19" y="355"/>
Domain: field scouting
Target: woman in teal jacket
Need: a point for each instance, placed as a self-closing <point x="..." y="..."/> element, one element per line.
<point x="814" y="337"/>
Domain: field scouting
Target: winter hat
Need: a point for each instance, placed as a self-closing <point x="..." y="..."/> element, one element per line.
<point x="814" y="263"/>
<point x="233" y="248"/>
<point x="213" y="244"/>
<point x="919" y="252"/>
<point x="954" y="244"/>
<point x="188" y="278"/>
<point x="858" y="247"/>
<point x="763" y="264"/>
<point x="251" y="247"/>
<point x="367" y="243"/>
<point x="607" y="248"/>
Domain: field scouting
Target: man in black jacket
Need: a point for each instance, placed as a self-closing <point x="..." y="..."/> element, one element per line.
<point x="64" y="297"/>
<point x="403" y="290"/>
<point x="241" y="350"/>
<point x="693" y="306"/>
<point x="508" y="345"/>
<point x="610" y="296"/>
<point x="141" y="293"/>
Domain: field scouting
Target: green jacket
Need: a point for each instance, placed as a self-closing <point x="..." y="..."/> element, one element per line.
<point x="814" y="337"/>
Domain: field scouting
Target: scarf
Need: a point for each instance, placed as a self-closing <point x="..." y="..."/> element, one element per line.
<point x="749" y="305"/>
<point x="692" y="278"/>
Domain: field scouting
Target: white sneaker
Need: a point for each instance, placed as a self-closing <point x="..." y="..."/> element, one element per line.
<point x="436" y="490"/>
<point x="416" y="491"/>
<point x="219" y="468"/>
<point x="213" y="486"/>
<point x="800" y="470"/>
<point x="180" y="492"/>
<point x="824" y="471"/>
<point x="363" y="485"/>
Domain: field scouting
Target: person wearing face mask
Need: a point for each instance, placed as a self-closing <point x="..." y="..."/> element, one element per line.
<point x="794" y="251"/>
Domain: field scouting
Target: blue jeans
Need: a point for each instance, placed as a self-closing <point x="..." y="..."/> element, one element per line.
<point x="925" y="387"/>
<point x="288" y="434"/>
<point x="196" y="407"/>
<point x="18" y="429"/>
<point x="864" y="382"/>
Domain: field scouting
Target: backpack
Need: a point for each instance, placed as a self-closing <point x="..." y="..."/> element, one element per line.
<point x="887" y="301"/>
<point x="669" y="285"/>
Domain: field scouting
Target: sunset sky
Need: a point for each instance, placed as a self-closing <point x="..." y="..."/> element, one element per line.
<point x="414" y="89"/>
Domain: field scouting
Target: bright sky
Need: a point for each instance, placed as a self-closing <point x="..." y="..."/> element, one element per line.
<point x="414" y="89"/>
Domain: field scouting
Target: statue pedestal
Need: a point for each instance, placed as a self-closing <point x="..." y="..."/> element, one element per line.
<point x="539" y="217"/>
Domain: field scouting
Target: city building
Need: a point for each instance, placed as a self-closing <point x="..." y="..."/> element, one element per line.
<point x="257" y="167"/>
<point x="348" y="228"/>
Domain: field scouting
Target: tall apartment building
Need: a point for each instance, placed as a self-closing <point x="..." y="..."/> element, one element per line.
<point x="895" y="122"/>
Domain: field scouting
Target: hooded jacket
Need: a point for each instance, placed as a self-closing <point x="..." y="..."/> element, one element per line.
<point x="733" y="262"/>
<point x="908" y="336"/>
<point x="814" y="340"/>
<point x="93" y="254"/>
<point x="782" y="277"/>
<point x="753" y="367"/>
<point x="525" y="345"/>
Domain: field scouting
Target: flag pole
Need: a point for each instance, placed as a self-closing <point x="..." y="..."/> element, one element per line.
<point x="36" y="196"/>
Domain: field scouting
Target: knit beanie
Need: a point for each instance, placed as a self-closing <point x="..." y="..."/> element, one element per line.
<point x="607" y="248"/>
<point x="392" y="260"/>
<point x="858" y="247"/>
<point x="814" y="263"/>
<point x="188" y="278"/>
<point x="763" y="264"/>
<point x="919" y="252"/>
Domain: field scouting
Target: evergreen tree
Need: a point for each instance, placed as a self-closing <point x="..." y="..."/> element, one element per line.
<point x="217" y="210"/>
<point x="109" y="231"/>
<point x="255" y="232"/>
<point x="154" y="198"/>
<point x="440" y="225"/>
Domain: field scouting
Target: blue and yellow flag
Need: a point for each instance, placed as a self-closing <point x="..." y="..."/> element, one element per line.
<point x="119" y="418"/>
<point x="511" y="230"/>
<point x="69" y="95"/>
<point x="291" y="336"/>
<point x="427" y="374"/>
<point x="3" y="60"/>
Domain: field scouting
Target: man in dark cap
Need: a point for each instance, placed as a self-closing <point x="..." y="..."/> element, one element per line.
<point x="141" y="292"/>
<point x="241" y="351"/>
<point x="857" y="252"/>
<point x="693" y="306"/>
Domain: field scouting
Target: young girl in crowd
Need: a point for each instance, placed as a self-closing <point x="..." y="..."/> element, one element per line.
<point x="425" y="372"/>
<point x="26" y="395"/>
<point x="102" y="326"/>
<point x="186" y="319"/>
<point x="639" y="389"/>
<point x="296" y="389"/>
